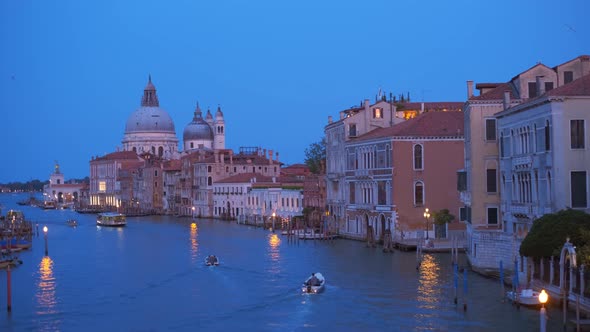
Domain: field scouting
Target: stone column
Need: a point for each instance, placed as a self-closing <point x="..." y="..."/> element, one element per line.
<point x="561" y="276"/>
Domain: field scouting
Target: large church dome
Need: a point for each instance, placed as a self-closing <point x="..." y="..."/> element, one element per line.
<point x="150" y="117"/>
<point x="150" y="128"/>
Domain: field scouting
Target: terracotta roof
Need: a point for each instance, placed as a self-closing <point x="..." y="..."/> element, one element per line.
<point x="428" y="124"/>
<point x="449" y="105"/>
<point x="132" y="165"/>
<point x="524" y="71"/>
<point x="582" y="57"/>
<point x="498" y="93"/>
<point x="119" y="155"/>
<point x="486" y="85"/>
<point x="579" y="87"/>
<point x="172" y="165"/>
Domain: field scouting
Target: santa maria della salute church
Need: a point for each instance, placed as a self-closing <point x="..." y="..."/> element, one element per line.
<point x="151" y="130"/>
<point x="150" y="175"/>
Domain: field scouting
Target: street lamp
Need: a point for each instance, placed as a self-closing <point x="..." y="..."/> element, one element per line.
<point x="193" y="212"/>
<point x="543" y="299"/>
<point x="426" y="216"/>
<point x="45" y="235"/>
<point x="273" y="221"/>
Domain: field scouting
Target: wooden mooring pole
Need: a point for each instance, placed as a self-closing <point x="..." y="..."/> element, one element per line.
<point x="8" y="289"/>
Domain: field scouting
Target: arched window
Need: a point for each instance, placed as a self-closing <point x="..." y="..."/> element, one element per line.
<point x="210" y="181"/>
<point x="418" y="157"/>
<point x="547" y="136"/>
<point x="418" y="193"/>
<point x="135" y="149"/>
<point x="160" y="151"/>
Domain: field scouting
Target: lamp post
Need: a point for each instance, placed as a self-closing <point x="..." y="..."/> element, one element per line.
<point x="273" y="221"/>
<point x="193" y="212"/>
<point x="543" y="299"/>
<point x="426" y="216"/>
<point x="45" y="235"/>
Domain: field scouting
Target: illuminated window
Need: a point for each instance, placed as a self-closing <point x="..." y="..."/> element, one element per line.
<point x="102" y="186"/>
<point x="377" y="113"/>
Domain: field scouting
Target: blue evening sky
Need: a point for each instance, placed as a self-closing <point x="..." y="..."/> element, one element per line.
<point x="71" y="72"/>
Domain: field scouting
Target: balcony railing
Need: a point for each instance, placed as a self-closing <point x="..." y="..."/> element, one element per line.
<point x="522" y="162"/>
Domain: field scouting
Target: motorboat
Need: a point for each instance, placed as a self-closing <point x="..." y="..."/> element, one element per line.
<point x="211" y="260"/>
<point x="526" y="297"/>
<point x="112" y="219"/>
<point x="310" y="287"/>
<point x="72" y="222"/>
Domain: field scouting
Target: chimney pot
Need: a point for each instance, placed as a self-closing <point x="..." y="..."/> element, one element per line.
<point x="469" y="89"/>
<point x="506" y="99"/>
<point x="540" y="85"/>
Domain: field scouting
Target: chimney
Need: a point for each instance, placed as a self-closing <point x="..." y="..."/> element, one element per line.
<point x="540" y="86"/>
<point x="277" y="156"/>
<point x="422" y="108"/>
<point x="231" y="157"/>
<point x="366" y="104"/>
<point x="329" y="119"/>
<point x="506" y="99"/>
<point x="469" y="89"/>
<point x="270" y="157"/>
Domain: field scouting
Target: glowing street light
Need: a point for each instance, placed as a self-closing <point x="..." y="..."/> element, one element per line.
<point x="543" y="297"/>
<point x="426" y="216"/>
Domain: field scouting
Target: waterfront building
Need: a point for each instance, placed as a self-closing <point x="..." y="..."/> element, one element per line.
<point x="171" y="177"/>
<point x="394" y="173"/>
<point x="105" y="185"/>
<point x="529" y="119"/>
<point x="60" y="192"/>
<point x="352" y="123"/>
<point x="542" y="140"/>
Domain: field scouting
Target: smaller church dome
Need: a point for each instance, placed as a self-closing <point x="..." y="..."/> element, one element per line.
<point x="197" y="129"/>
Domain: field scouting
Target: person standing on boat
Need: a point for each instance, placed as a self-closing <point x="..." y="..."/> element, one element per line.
<point x="314" y="281"/>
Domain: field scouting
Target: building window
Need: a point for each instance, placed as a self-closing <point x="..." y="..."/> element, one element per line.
<point x="210" y="181"/>
<point x="568" y="76"/>
<point x="577" y="134"/>
<point x="351" y="192"/>
<point x="490" y="129"/>
<point x="418" y="157"/>
<point x="156" y="173"/>
<point x="419" y="193"/>
<point x="547" y="137"/>
<point x="209" y="169"/>
<point x="578" y="189"/>
<point x="532" y="89"/>
<point x="192" y="145"/>
<point x="352" y="130"/>
<point x="381" y="193"/>
<point x="377" y="113"/>
<point x="548" y="86"/>
<point x="462" y="213"/>
<point x="492" y="186"/>
<point x="461" y="181"/>
<point x="492" y="216"/>
<point x="102" y="186"/>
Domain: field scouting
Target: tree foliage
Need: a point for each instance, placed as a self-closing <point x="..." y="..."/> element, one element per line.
<point x="442" y="217"/>
<point x="549" y="233"/>
<point x="315" y="156"/>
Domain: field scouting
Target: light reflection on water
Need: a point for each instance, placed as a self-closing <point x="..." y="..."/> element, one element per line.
<point x="274" y="253"/>
<point x="193" y="240"/>
<point x="46" y="299"/>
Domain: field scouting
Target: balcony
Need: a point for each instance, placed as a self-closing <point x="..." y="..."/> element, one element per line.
<point x="522" y="162"/>
<point x="362" y="173"/>
<point x="465" y="197"/>
<point x="519" y="208"/>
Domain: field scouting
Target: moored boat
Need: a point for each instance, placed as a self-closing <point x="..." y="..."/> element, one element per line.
<point x="111" y="219"/>
<point x="314" y="285"/>
<point x="527" y="297"/>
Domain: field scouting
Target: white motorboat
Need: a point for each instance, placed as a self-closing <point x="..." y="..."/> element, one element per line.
<point x="310" y="287"/>
<point x="111" y="219"/>
<point x="526" y="297"/>
<point x="211" y="260"/>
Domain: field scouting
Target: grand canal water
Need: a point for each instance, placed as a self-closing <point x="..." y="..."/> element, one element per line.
<point x="150" y="276"/>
